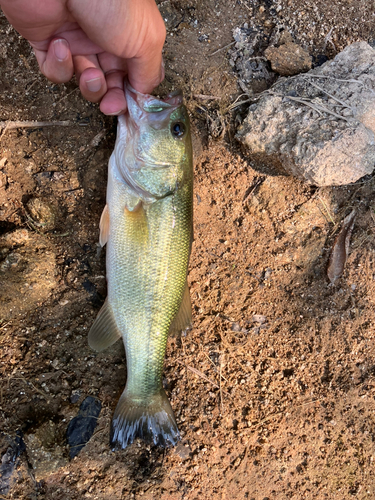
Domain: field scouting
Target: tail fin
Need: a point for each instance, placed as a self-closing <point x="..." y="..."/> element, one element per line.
<point x="152" y="420"/>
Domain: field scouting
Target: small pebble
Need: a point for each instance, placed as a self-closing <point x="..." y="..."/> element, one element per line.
<point x="259" y="318"/>
<point x="235" y="327"/>
<point x="183" y="451"/>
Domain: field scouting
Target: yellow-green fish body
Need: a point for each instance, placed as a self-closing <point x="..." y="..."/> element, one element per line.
<point x="147" y="225"/>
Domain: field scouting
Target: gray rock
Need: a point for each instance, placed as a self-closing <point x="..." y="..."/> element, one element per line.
<point x="252" y="69"/>
<point x="171" y="16"/>
<point x="318" y="126"/>
<point x="183" y="451"/>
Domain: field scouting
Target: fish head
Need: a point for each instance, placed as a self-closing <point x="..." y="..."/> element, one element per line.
<point x="154" y="144"/>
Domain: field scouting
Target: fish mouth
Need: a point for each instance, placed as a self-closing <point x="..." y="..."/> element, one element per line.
<point x="152" y="104"/>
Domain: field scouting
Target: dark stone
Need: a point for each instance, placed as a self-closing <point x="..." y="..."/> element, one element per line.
<point x="8" y="463"/>
<point x="172" y="17"/>
<point x="81" y="427"/>
<point x="43" y="178"/>
<point x="319" y="60"/>
<point x="87" y="247"/>
<point x="95" y="298"/>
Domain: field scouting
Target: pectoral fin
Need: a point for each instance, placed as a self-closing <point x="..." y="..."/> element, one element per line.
<point x="136" y="220"/>
<point x="104" y="226"/>
<point x="104" y="332"/>
<point x="183" y="319"/>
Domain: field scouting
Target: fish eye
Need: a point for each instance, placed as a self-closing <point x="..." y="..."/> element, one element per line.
<point x="178" y="129"/>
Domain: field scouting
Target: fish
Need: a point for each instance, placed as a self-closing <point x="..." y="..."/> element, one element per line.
<point x="147" y="225"/>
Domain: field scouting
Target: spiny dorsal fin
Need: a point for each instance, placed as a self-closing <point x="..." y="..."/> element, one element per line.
<point x="104" y="226"/>
<point x="183" y="319"/>
<point x="104" y="332"/>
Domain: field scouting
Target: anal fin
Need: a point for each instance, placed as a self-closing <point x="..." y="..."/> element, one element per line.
<point x="183" y="319"/>
<point x="104" y="332"/>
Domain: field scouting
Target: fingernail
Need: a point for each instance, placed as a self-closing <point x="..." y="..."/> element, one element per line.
<point x="94" y="85"/>
<point x="117" y="113"/>
<point x="61" y="49"/>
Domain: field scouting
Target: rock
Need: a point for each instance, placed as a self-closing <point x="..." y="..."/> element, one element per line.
<point x="183" y="451"/>
<point x="288" y="59"/>
<point x="245" y="57"/>
<point x="44" y="450"/>
<point x="43" y="179"/>
<point x="74" y="397"/>
<point x="259" y="318"/>
<point x="318" y="126"/>
<point x="42" y="214"/>
<point x="171" y="16"/>
<point x="11" y="260"/>
<point x="81" y="427"/>
<point x="94" y="297"/>
<point x="235" y="327"/>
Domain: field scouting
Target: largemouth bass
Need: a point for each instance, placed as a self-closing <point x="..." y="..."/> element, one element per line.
<point x="147" y="226"/>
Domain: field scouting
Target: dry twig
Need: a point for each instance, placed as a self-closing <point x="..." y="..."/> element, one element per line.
<point x="27" y="382"/>
<point x="326" y="208"/>
<point x="202" y="375"/>
<point x="340" y="249"/>
<point x="337" y="79"/>
<point x="204" y="97"/>
<point x="221" y="48"/>
<point x="343" y="103"/>
<point x="313" y="105"/>
<point x="9" y="125"/>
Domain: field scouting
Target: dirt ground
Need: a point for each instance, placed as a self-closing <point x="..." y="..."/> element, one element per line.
<point x="274" y="387"/>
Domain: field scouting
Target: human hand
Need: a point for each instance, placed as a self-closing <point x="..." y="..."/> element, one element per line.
<point x="99" y="41"/>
